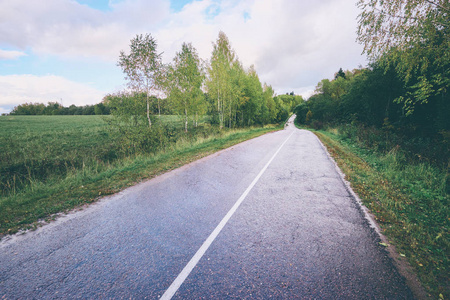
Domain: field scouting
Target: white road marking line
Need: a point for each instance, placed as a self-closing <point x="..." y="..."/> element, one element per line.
<point x="173" y="288"/>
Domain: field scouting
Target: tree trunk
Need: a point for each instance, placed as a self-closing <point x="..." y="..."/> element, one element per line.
<point x="218" y="110"/>
<point x="231" y="118"/>
<point x="185" y="119"/>
<point x="148" y="113"/>
<point x="159" y="109"/>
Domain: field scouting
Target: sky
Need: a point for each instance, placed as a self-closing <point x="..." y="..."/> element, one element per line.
<point x="66" y="51"/>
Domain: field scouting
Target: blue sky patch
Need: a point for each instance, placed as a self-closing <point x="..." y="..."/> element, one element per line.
<point x="102" y="5"/>
<point x="246" y="16"/>
<point x="177" y="5"/>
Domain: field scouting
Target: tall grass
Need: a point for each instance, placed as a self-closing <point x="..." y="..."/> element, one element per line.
<point x="39" y="148"/>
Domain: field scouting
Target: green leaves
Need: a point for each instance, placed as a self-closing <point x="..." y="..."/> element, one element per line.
<point x="183" y="84"/>
<point x="142" y="66"/>
<point x="219" y="83"/>
<point x="414" y="36"/>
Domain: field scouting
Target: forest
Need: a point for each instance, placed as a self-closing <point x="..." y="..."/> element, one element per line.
<point x="401" y="99"/>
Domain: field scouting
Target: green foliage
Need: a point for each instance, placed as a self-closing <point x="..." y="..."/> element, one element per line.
<point x="288" y="101"/>
<point x="318" y="108"/>
<point x="301" y="111"/>
<point x="236" y="96"/>
<point x="308" y="117"/>
<point x="370" y="99"/>
<point x="183" y="84"/>
<point x="219" y="82"/>
<point x="340" y="73"/>
<point x="401" y="24"/>
<point x="128" y="108"/>
<point x="414" y="36"/>
<point x="142" y="67"/>
<point x="270" y="110"/>
<point x="101" y="109"/>
<point x="128" y="125"/>
<point x="54" y="108"/>
<point x="249" y="110"/>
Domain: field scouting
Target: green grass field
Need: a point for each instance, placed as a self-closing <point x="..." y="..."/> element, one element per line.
<point x="51" y="164"/>
<point x="41" y="147"/>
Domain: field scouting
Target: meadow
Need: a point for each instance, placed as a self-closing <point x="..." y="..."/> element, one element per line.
<point x="43" y="147"/>
<point x="52" y="164"/>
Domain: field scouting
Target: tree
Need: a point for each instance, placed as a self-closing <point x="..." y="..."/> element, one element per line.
<point x="219" y="75"/>
<point x="52" y="108"/>
<point x="100" y="109"/>
<point x="142" y="67"/>
<point x="252" y="94"/>
<point x="414" y="36"/>
<point x="324" y="87"/>
<point x="128" y="109"/>
<point x="29" y="109"/>
<point x="340" y="73"/>
<point x="401" y="24"/>
<point x="270" y="114"/>
<point x="184" y="81"/>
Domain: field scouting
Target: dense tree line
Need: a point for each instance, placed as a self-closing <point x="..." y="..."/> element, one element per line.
<point x="54" y="108"/>
<point x="370" y="96"/>
<point x="404" y="93"/>
<point x="190" y="87"/>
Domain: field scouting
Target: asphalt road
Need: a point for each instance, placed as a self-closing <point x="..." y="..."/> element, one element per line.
<point x="284" y="227"/>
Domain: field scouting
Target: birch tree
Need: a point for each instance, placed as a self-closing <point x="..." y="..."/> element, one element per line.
<point x="219" y="75"/>
<point x="413" y="36"/>
<point x="271" y="112"/>
<point x="142" y="67"/>
<point x="184" y="82"/>
<point x="401" y="24"/>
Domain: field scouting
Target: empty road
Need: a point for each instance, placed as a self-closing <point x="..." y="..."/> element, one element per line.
<point x="268" y="218"/>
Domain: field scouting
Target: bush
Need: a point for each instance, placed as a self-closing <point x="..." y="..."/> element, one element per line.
<point x="301" y="111"/>
<point x="317" y="125"/>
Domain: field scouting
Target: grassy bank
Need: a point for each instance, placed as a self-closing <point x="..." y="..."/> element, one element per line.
<point x="76" y="161"/>
<point x="409" y="199"/>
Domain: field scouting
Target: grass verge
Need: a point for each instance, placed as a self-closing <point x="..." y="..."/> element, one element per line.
<point x="42" y="200"/>
<point x="409" y="202"/>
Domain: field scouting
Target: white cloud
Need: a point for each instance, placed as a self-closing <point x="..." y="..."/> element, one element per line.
<point x="11" y="54"/>
<point x="18" y="89"/>
<point x="293" y="44"/>
<point x="69" y="29"/>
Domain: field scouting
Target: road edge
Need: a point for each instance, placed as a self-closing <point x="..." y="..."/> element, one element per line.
<point x="402" y="266"/>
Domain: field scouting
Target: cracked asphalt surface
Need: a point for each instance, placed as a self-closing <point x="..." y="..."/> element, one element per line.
<point x="297" y="235"/>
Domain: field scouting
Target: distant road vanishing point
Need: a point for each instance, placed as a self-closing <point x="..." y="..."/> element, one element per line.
<point x="267" y="218"/>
